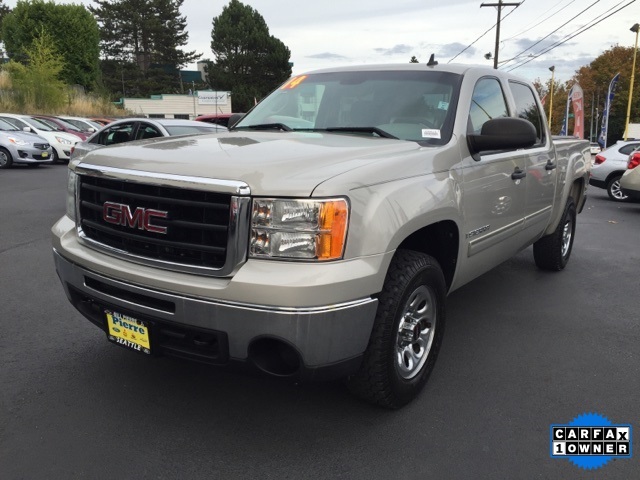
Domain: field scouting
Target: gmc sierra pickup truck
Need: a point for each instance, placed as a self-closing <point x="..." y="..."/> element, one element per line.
<point x="319" y="237"/>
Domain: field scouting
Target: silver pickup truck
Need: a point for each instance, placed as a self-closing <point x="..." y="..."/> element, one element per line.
<point x="318" y="238"/>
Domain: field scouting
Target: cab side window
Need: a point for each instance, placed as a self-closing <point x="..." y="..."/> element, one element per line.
<point x="527" y="108"/>
<point x="488" y="102"/>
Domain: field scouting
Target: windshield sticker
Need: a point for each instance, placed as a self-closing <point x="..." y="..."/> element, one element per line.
<point x="293" y="83"/>
<point x="430" y="133"/>
<point x="443" y="106"/>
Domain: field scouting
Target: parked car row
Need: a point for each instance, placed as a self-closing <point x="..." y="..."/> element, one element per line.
<point x="38" y="139"/>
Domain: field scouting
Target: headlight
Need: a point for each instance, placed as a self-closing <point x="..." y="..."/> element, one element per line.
<point x="64" y="141"/>
<point x="299" y="229"/>
<point x="72" y="180"/>
<point x="18" y="141"/>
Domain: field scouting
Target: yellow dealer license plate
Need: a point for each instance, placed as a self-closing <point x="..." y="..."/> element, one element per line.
<point x="128" y="331"/>
<point x="45" y="154"/>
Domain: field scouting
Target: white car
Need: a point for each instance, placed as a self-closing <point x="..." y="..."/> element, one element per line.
<point x="130" y="129"/>
<point x="61" y="142"/>
<point x="608" y="167"/>
<point x="595" y="148"/>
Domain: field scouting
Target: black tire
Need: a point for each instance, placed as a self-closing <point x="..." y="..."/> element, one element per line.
<point x="552" y="251"/>
<point x="386" y="377"/>
<point x="55" y="159"/>
<point x="614" y="191"/>
<point x="6" y="160"/>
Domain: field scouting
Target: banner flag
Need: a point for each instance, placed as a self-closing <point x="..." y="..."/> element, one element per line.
<point x="602" y="138"/>
<point x="565" y="120"/>
<point x="577" y="97"/>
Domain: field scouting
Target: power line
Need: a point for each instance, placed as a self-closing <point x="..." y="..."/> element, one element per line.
<point x="566" y="39"/>
<point x="547" y="36"/>
<point x="472" y="43"/>
<point x="541" y="21"/>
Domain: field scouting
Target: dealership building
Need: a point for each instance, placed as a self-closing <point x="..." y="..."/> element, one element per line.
<point x="187" y="106"/>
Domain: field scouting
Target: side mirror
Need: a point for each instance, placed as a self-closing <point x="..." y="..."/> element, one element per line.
<point x="504" y="133"/>
<point x="26" y="129"/>
<point x="91" y="130"/>
<point x="235" y="118"/>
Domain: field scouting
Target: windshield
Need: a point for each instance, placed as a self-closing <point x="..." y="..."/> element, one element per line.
<point x="7" y="127"/>
<point x="408" y="105"/>
<point x="191" y="129"/>
<point x="41" y="125"/>
<point x="68" y="125"/>
<point x="83" y="126"/>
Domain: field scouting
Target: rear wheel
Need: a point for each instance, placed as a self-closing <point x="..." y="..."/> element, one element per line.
<point x="614" y="190"/>
<point x="552" y="251"/>
<point x="407" y="332"/>
<point x="6" y="160"/>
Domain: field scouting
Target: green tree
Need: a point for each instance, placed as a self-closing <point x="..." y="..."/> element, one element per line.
<point x="4" y="10"/>
<point x="142" y="40"/>
<point x="594" y="80"/>
<point x="72" y="30"/>
<point x="248" y="60"/>
<point x="36" y="81"/>
<point x="414" y="60"/>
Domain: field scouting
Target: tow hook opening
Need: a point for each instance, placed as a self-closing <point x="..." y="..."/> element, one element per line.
<point x="275" y="357"/>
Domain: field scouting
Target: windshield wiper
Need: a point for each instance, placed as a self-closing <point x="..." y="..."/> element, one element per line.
<point x="266" y="126"/>
<point x="375" y="130"/>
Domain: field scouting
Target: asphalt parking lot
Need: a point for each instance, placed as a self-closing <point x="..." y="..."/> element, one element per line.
<point x="524" y="349"/>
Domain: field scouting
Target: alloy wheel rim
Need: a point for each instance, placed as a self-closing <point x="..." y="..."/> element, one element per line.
<point x="416" y="332"/>
<point x="566" y="238"/>
<point x="3" y="159"/>
<point x="616" y="191"/>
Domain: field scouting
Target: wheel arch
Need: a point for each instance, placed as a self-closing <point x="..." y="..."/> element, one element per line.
<point x="441" y="240"/>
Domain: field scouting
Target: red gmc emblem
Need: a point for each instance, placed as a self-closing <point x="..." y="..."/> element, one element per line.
<point x="120" y="214"/>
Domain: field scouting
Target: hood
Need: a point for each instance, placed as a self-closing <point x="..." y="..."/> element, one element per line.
<point x="26" y="136"/>
<point x="271" y="163"/>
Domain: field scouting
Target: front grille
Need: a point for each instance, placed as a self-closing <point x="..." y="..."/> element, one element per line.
<point x="197" y="222"/>
<point x="41" y="146"/>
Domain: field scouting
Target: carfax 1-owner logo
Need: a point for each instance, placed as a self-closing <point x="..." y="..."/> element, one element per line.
<point x="590" y="441"/>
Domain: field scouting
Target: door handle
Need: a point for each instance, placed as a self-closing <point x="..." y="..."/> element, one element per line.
<point x="550" y="165"/>
<point x="518" y="174"/>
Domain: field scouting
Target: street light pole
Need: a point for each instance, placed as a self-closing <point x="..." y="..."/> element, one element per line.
<point x="553" y="70"/>
<point x="634" y="29"/>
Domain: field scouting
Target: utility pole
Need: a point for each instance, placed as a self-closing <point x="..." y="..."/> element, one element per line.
<point x="553" y="71"/>
<point x="500" y="4"/>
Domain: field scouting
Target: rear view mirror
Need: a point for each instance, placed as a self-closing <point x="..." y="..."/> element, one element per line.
<point x="504" y="133"/>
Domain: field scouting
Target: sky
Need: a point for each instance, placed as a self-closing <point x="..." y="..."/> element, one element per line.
<point x="340" y="32"/>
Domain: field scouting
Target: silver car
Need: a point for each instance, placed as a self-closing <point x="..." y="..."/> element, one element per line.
<point x="609" y="165"/>
<point x="630" y="181"/>
<point x="17" y="146"/>
<point x="130" y="129"/>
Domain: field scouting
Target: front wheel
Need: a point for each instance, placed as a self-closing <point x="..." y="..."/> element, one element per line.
<point x="55" y="159"/>
<point x="407" y="332"/>
<point x="615" y="191"/>
<point x="6" y="160"/>
<point x="552" y="251"/>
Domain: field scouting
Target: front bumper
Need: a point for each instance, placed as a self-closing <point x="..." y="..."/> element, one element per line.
<point x="329" y="340"/>
<point x="29" y="154"/>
